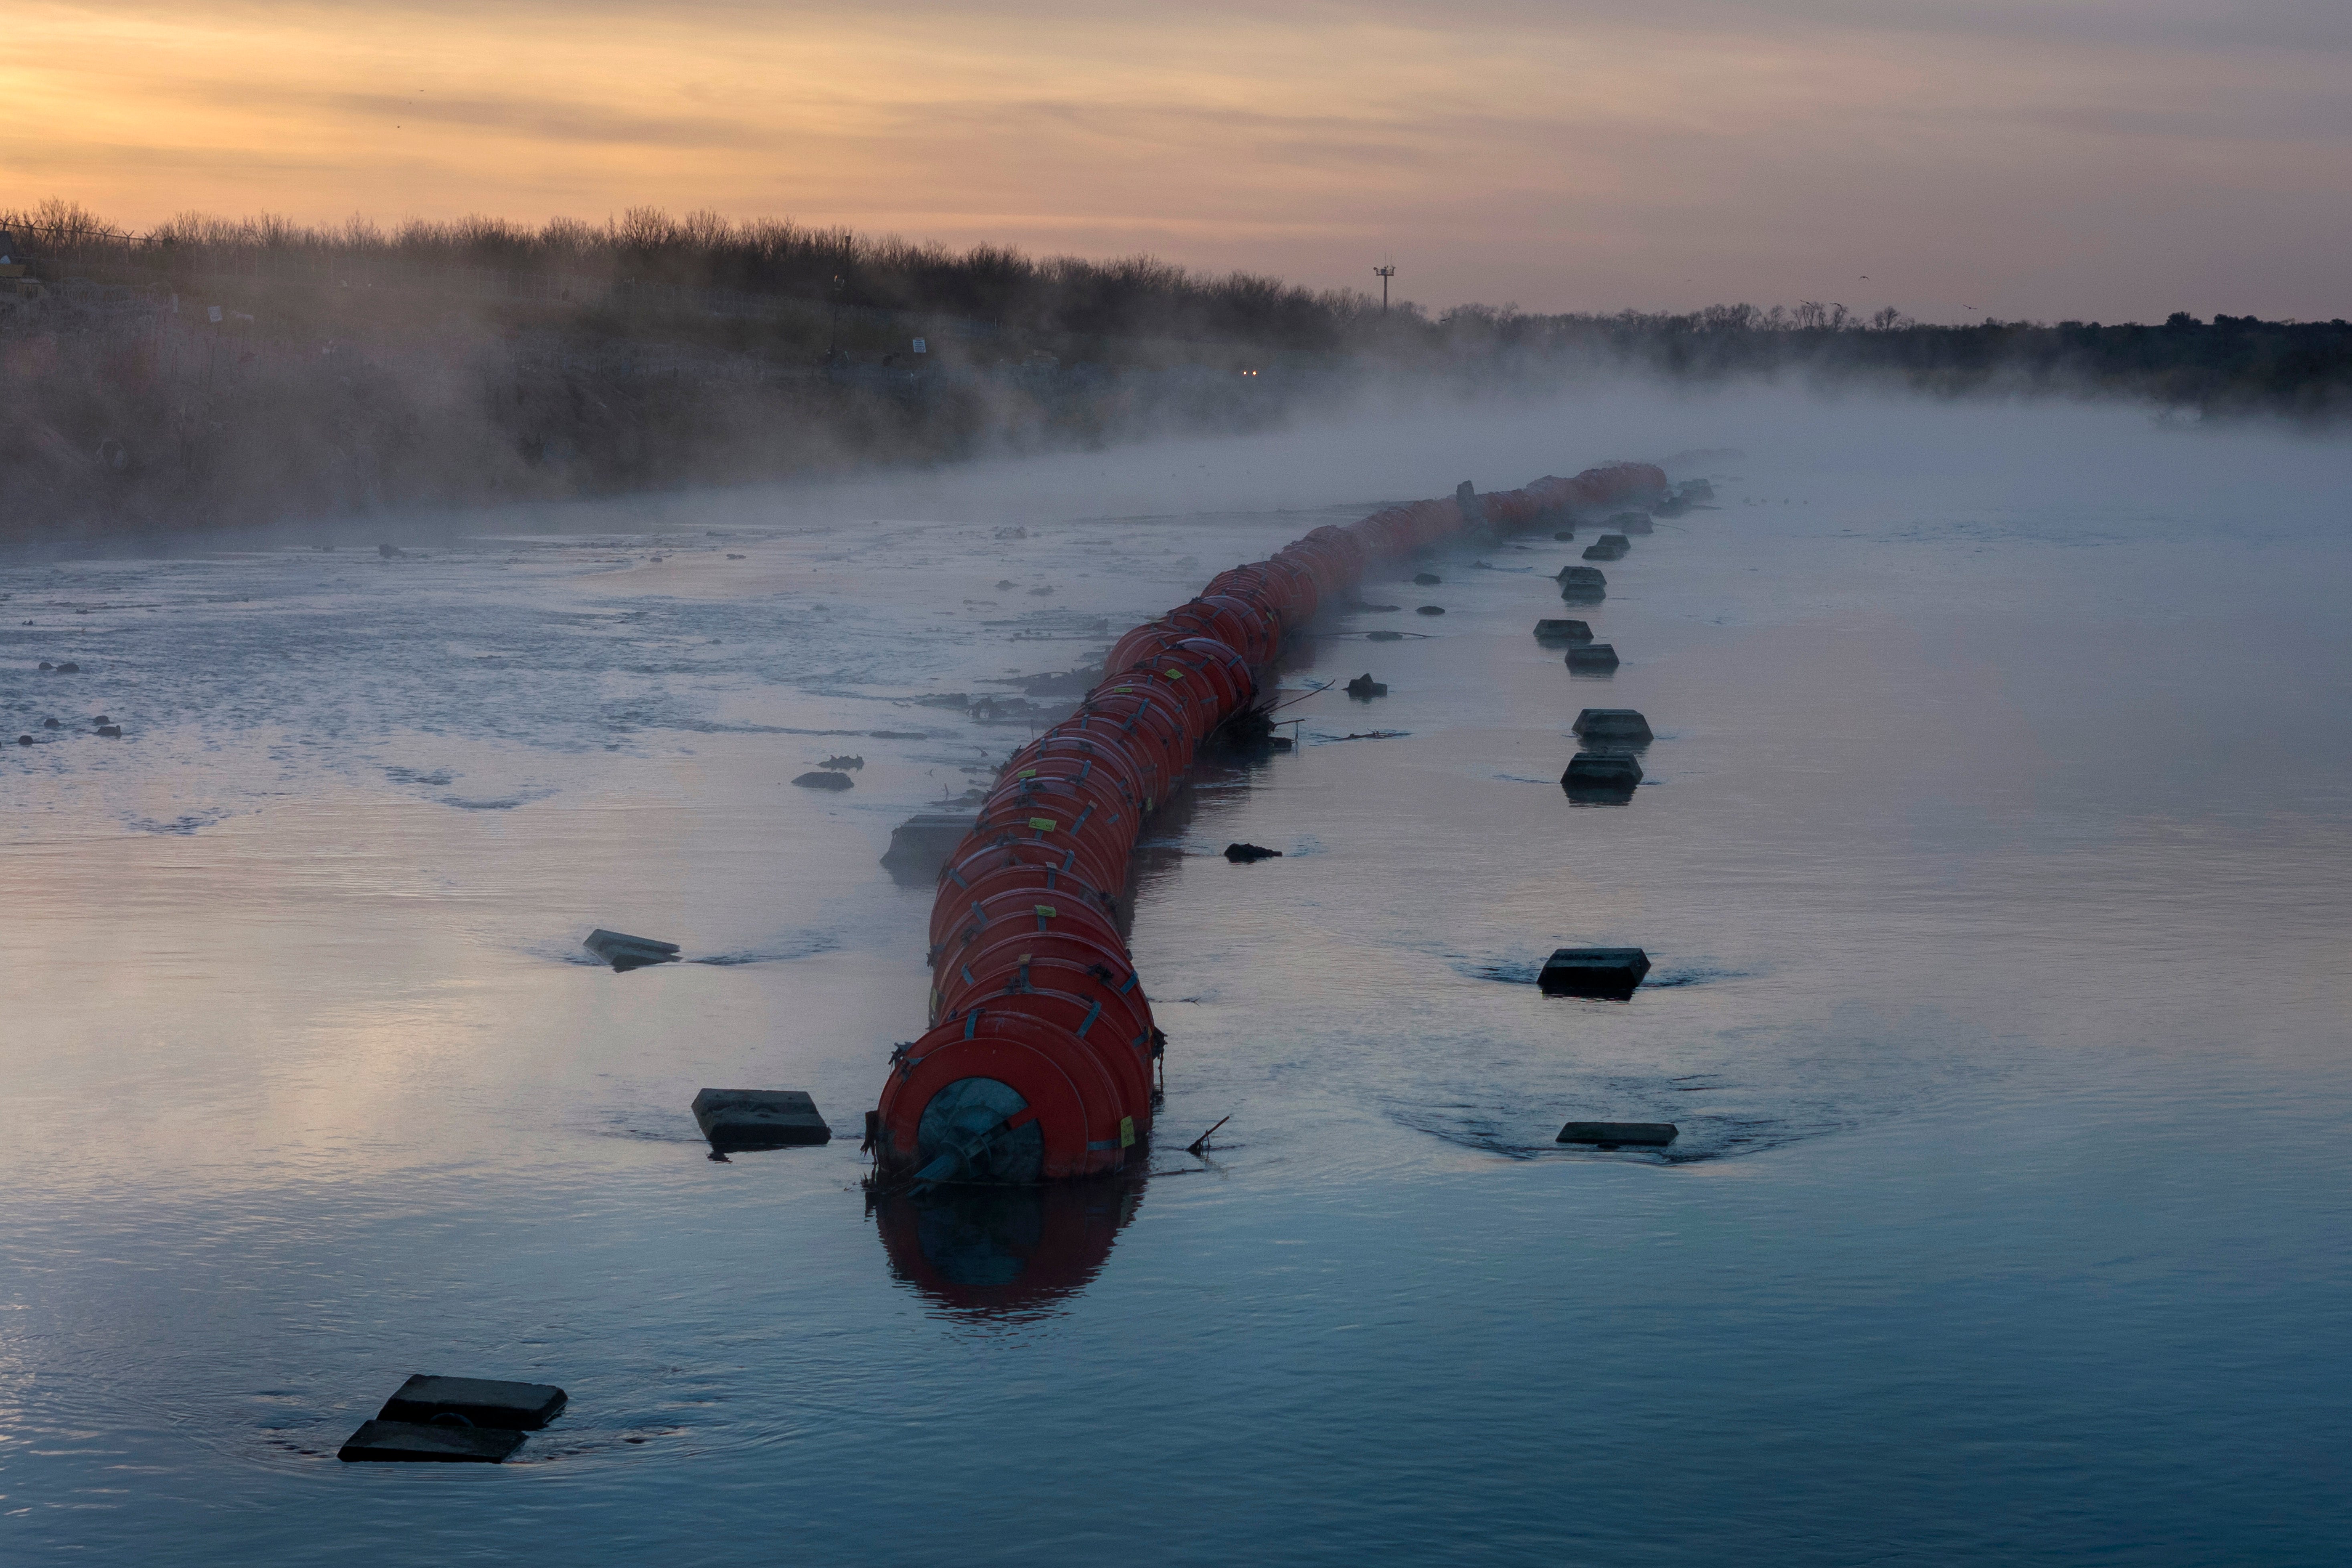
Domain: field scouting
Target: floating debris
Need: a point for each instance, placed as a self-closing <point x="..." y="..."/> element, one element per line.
<point x="1608" y="972"/>
<point x="625" y="952"/>
<point x="1611" y="1134"/>
<point x="1201" y="1145"/>
<point x="1242" y="854"/>
<point x="843" y="764"/>
<point x="1374" y="734"/>
<point x="735" y="1119"/>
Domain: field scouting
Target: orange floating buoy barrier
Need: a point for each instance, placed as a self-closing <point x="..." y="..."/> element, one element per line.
<point x="1038" y="1064"/>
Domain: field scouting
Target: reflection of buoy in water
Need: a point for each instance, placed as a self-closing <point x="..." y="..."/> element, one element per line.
<point x="991" y="1249"/>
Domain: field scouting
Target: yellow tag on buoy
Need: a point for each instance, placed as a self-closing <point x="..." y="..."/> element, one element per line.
<point x="1126" y="1131"/>
<point x="1045" y="911"/>
<point x="1043" y="825"/>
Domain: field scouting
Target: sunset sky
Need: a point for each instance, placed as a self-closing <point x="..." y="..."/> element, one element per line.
<point x="2100" y="159"/>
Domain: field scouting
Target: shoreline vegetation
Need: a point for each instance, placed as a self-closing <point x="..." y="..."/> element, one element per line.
<point x="217" y="371"/>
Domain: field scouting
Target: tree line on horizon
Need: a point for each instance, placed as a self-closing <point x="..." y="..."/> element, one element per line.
<point x="2301" y="365"/>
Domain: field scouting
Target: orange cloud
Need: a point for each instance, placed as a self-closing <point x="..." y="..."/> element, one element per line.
<point x="1581" y="157"/>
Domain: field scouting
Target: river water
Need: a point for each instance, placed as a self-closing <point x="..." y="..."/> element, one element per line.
<point x="1991" y="857"/>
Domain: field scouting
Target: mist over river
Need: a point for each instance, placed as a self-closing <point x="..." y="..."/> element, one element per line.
<point x="1993" y="856"/>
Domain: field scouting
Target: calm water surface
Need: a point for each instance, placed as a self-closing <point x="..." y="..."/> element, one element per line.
<point x="1992" y="860"/>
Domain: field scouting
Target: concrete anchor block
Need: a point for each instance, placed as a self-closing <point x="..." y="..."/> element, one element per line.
<point x="1612" y="972"/>
<point x="1364" y="688"/>
<point x="1633" y="523"/>
<point x="419" y="1442"/>
<point x="1611" y="1134"/>
<point x="1593" y="656"/>
<point x="625" y="952"/>
<point x="1590" y="773"/>
<point x="1582" y="585"/>
<point x="475" y="1401"/>
<point x="759" y="1119"/>
<point x="1624" y="726"/>
<point x="1608" y="547"/>
<point x="1242" y="854"/>
<point x="1548" y="630"/>
<point x="920" y="845"/>
<point x="1427" y="579"/>
<point x="824" y="781"/>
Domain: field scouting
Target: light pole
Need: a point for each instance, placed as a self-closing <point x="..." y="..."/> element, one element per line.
<point x="1386" y="272"/>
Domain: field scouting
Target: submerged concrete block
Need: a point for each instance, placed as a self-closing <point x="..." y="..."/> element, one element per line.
<point x="1624" y="725"/>
<point x="625" y="952"/>
<point x="1591" y="773"/>
<point x="1429" y="610"/>
<point x="1611" y="1134"/>
<point x="1582" y="585"/>
<point x="1364" y="687"/>
<point x="1563" y="632"/>
<point x="1427" y="579"/>
<point x="823" y="780"/>
<point x="920" y="845"/>
<point x="1565" y="534"/>
<point x="1242" y="855"/>
<point x="1593" y="972"/>
<point x="418" y="1442"/>
<point x="1593" y="656"/>
<point x="476" y="1401"/>
<point x="112" y="731"/>
<point x="759" y="1119"/>
<point x="1384" y="636"/>
<point x="1608" y="547"/>
<point x="1632" y="523"/>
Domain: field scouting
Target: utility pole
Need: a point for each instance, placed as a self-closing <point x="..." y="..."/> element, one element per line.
<point x="1386" y="272"/>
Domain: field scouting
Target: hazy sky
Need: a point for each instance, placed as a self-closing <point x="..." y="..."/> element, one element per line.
<point x="2103" y="159"/>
